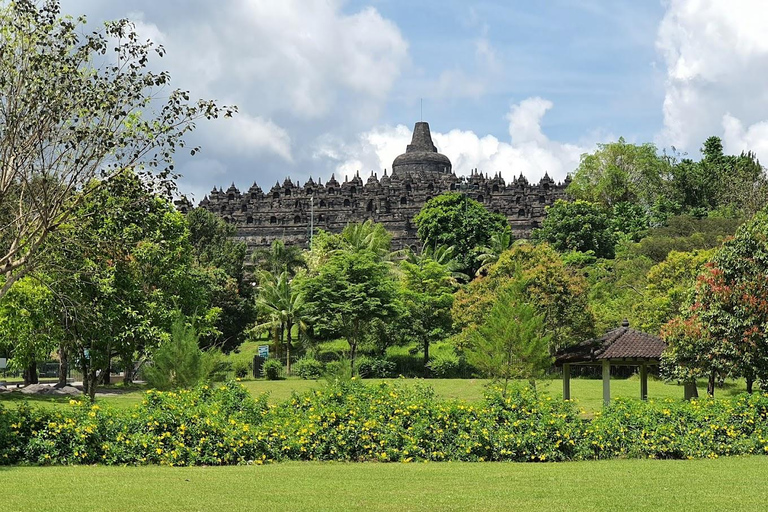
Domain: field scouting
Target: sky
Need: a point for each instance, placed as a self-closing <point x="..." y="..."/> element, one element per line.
<point x="508" y="86"/>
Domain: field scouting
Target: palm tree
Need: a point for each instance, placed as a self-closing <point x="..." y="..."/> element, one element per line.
<point x="500" y="242"/>
<point x="369" y="236"/>
<point x="441" y="254"/>
<point x="279" y="258"/>
<point x="285" y="307"/>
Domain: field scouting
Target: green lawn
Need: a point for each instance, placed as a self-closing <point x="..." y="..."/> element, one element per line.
<point x="723" y="484"/>
<point x="587" y="392"/>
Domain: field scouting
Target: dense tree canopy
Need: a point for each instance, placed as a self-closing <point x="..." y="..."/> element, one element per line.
<point x="76" y="105"/>
<point x="454" y="220"/>
<point x="577" y="226"/>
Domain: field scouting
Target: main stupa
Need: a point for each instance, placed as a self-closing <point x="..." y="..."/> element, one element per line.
<point x="421" y="159"/>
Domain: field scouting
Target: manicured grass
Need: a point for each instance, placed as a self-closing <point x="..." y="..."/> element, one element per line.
<point x="723" y="484"/>
<point x="588" y="393"/>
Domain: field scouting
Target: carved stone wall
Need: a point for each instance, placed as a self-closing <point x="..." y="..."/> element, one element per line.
<point x="286" y="211"/>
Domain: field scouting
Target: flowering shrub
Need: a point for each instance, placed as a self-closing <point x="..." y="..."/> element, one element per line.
<point x="350" y="421"/>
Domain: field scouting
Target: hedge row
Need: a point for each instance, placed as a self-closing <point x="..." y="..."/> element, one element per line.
<point x="354" y="422"/>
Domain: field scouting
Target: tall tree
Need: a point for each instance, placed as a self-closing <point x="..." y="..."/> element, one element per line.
<point x="29" y="327"/>
<point x="348" y="292"/>
<point x="578" y="226"/>
<point x="76" y="105"/>
<point x="556" y="291"/>
<point x="620" y="172"/>
<point x="427" y="296"/>
<point x="454" y="220"/>
<point x="285" y="306"/>
<point x="489" y="254"/>
<point x="279" y="258"/>
<point x="512" y="342"/>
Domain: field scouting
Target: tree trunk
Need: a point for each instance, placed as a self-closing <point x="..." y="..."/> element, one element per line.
<point x="750" y="383"/>
<point x="30" y="374"/>
<point x="426" y="358"/>
<point x="84" y="371"/>
<point x="691" y="391"/>
<point x="63" y="365"/>
<point x="127" y="370"/>
<point x="352" y="353"/>
<point x="711" y="384"/>
<point x="92" y="382"/>
<point x="288" y="350"/>
<point x="104" y="376"/>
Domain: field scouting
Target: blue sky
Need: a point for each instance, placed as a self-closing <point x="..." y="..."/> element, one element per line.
<point x="511" y="87"/>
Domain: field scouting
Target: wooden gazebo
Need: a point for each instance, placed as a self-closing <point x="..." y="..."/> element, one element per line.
<point x="621" y="346"/>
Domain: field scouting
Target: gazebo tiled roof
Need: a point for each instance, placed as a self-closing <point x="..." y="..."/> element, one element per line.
<point x="622" y="343"/>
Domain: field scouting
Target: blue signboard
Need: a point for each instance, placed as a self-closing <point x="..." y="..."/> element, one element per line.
<point x="264" y="351"/>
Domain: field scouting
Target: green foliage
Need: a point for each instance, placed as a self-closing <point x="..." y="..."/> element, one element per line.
<point x="178" y="362"/>
<point x="427" y="296"/>
<point x="670" y="429"/>
<point x="272" y="369"/>
<point x="348" y="421"/>
<point x="107" y="109"/>
<point x="556" y="291"/>
<point x="577" y="226"/>
<point x="446" y="365"/>
<point x="211" y="239"/>
<point x="279" y="258"/>
<point x="453" y="220"/>
<point x="684" y="234"/>
<point x="241" y="368"/>
<point x="620" y="172"/>
<point x="348" y="292"/>
<point x="670" y="285"/>
<point x="374" y="368"/>
<point x="731" y="303"/>
<point x="283" y="303"/>
<point x="367" y="236"/>
<point x="309" y="368"/>
<point x="512" y="342"/>
<point x="29" y="331"/>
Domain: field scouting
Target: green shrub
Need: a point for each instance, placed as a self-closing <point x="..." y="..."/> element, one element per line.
<point x="308" y="368"/>
<point x="445" y="366"/>
<point x="272" y="369"/>
<point x="351" y="421"/>
<point x="241" y="368"/>
<point x="339" y="370"/>
<point x="374" y="368"/>
<point x="179" y="362"/>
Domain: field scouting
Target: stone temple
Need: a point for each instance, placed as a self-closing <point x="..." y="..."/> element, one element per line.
<point x="290" y="211"/>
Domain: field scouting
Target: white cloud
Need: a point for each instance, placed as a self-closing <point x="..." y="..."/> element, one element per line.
<point x="716" y="56"/>
<point x="251" y="136"/>
<point x="529" y="151"/>
<point x="295" y="68"/>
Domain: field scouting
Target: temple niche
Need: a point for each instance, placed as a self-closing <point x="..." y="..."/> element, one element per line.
<point x="289" y="210"/>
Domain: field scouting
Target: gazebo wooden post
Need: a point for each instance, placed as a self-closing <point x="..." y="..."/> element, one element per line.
<point x="566" y="381"/>
<point x="643" y="382"/>
<point x="606" y="382"/>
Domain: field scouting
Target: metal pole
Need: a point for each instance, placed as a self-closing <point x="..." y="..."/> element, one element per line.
<point x="311" y="219"/>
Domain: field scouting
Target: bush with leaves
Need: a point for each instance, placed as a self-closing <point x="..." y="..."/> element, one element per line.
<point x="272" y="369"/>
<point x="178" y="362"/>
<point x="308" y="368"/>
<point x="446" y="365"/>
<point x="374" y="368"/>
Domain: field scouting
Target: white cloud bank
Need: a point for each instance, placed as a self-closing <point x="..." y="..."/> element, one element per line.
<point x="716" y="56"/>
<point x="529" y="151"/>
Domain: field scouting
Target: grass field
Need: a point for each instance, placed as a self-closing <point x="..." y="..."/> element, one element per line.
<point x="587" y="392"/>
<point x="722" y="484"/>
